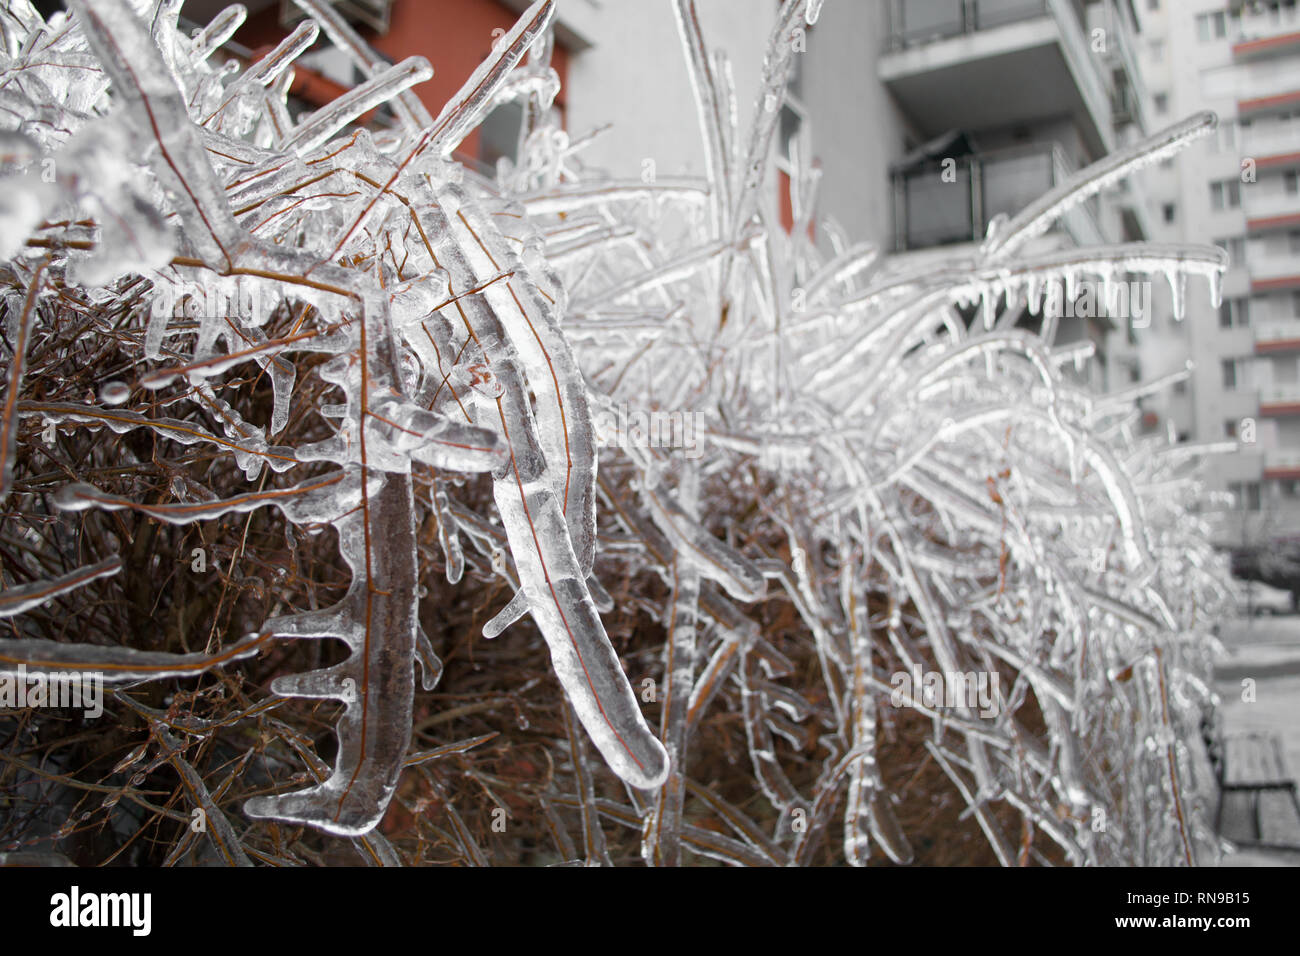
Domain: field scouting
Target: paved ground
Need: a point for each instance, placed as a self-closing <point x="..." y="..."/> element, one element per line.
<point x="1266" y="650"/>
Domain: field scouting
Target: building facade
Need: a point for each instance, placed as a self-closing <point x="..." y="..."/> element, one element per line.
<point x="1239" y="190"/>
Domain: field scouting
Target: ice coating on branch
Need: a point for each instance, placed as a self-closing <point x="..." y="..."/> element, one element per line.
<point x="467" y="109"/>
<point x="530" y="491"/>
<point x="16" y="600"/>
<point x="325" y="123"/>
<point x="116" y="664"/>
<point x="407" y="105"/>
<point x="1039" y="215"/>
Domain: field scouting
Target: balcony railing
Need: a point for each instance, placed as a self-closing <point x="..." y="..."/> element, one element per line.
<point x="1268" y="267"/>
<point x="923" y="21"/>
<point x="1277" y="330"/>
<point x="951" y="63"/>
<point x="1281" y="461"/>
<point x="1261" y="140"/>
<point x="1260" y="202"/>
<point x="936" y="204"/>
<point x="1266" y="24"/>
<point x="1122" y="53"/>
<point x="1286" y="394"/>
<point x="374" y="14"/>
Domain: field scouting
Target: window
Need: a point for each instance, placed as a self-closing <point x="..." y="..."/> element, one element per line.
<point x="1212" y="26"/>
<point x="1276" y="10"/>
<point x="1295" y="304"/>
<point x="1225" y="194"/>
<point x="1246" y="493"/>
<point x="1235" y="246"/>
<point x="1238" y="373"/>
<point x="499" y="134"/>
<point x="1162" y="103"/>
<point x="1153" y="4"/>
<point x="1293" y="241"/>
<point x="1234" y="313"/>
<point x="1225" y="136"/>
<point x="791" y="123"/>
<point x="1180" y="387"/>
<point x="1230" y="428"/>
<point x="1168" y="211"/>
<point x="1291" y="182"/>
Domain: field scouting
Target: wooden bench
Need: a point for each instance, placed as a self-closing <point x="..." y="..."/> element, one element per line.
<point x="1249" y="763"/>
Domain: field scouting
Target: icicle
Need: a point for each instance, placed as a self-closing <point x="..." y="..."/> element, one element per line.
<point x="448" y="536"/>
<point x="512" y="612"/>
<point x="326" y="122"/>
<point x="1177" y="291"/>
<point x="220" y="29"/>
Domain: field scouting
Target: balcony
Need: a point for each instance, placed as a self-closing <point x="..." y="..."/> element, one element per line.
<point x="1277" y="335"/>
<point x="1278" y="400"/>
<point x="1128" y="104"/>
<point x="930" y="212"/>
<point x="1272" y="145"/>
<point x="1285" y="99"/>
<point x="1268" y="206"/>
<point x="1276" y="272"/>
<point x="1280" y="222"/>
<point x="1285" y="42"/>
<point x="1265" y="33"/>
<point x="951" y="63"/>
<point x="1283" y="465"/>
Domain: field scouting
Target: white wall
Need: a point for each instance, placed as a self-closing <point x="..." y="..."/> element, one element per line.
<point x="857" y="130"/>
<point x="634" y="76"/>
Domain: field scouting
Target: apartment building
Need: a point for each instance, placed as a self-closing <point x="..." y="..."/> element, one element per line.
<point x="1239" y="190"/>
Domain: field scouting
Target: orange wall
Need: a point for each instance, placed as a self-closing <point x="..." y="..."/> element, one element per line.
<point x="785" y="200"/>
<point x="454" y="35"/>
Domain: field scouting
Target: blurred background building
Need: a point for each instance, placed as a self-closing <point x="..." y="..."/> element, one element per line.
<point x="1240" y="191"/>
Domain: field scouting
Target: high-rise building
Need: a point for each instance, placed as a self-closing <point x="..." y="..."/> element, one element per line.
<point x="1239" y="190"/>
